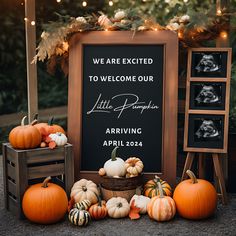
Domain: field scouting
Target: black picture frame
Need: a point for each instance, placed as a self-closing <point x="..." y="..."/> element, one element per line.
<point x="209" y="64"/>
<point x="206" y="131"/>
<point x="207" y="95"/>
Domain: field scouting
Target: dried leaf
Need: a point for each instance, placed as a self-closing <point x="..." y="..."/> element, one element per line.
<point x="134" y="211"/>
<point x="52" y="145"/>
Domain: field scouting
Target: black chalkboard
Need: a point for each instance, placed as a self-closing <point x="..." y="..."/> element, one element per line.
<point x="137" y="128"/>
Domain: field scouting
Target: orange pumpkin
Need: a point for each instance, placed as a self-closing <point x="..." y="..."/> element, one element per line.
<point x="195" y="198"/>
<point x="45" y="203"/>
<point x="98" y="211"/>
<point x="161" y="208"/>
<point x="151" y="188"/>
<point x="49" y="127"/>
<point x="25" y="136"/>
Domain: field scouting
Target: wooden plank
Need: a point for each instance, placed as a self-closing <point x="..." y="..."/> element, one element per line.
<point x="12" y="207"/>
<point x="5" y="174"/>
<point x="201" y="166"/>
<point x="44" y="114"/>
<point x="45" y="155"/>
<point x="188" y="164"/>
<point x="43" y="171"/>
<point x="11" y="187"/>
<point x="11" y="171"/>
<point x="69" y="169"/>
<point x="30" y="35"/>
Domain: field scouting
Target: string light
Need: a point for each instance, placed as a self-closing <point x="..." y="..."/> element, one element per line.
<point x="25" y="19"/>
<point x="219" y="12"/>
<point x="110" y="3"/>
<point x="84" y="4"/>
<point x="22" y="4"/>
<point x="185" y="1"/>
<point x="224" y="34"/>
<point x="58" y="1"/>
<point x="32" y="22"/>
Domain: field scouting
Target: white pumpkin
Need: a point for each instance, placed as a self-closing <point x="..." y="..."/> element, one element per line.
<point x="117" y="207"/>
<point x="141" y="202"/>
<point x="115" y="166"/>
<point x="59" y="138"/>
<point x="85" y="189"/>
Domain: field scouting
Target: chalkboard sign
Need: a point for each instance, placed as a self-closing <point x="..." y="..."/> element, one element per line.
<point x="121" y="99"/>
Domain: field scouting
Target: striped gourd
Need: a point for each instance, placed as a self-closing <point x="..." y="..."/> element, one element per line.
<point x="151" y="188"/>
<point x="83" y="205"/>
<point x="79" y="217"/>
<point x="161" y="208"/>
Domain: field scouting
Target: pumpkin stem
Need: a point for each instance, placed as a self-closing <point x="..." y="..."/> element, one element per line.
<point x="45" y="182"/>
<point x="192" y="176"/>
<point x="34" y="122"/>
<point x="156" y="179"/>
<point x="113" y="154"/>
<point x="160" y="189"/>
<point x="84" y="188"/>
<point x="119" y="205"/>
<point x="36" y="116"/>
<point x="50" y="121"/>
<point x="23" y="121"/>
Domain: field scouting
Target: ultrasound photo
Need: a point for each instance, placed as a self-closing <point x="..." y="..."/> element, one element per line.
<point x="206" y="131"/>
<point x="209" y="64"/>
<point x="207" y="95"/>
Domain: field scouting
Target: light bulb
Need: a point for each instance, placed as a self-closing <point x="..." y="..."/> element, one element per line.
<point x="110" y="3"/>
<point x="223" y="34"/>
<point x="58" y="1"/>
<point x="84" y="4"/>
<point x="219" y="12"/>
<point x="32" y="22"/>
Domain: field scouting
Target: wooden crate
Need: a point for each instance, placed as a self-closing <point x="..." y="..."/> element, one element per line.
<point x="24" y="167"/>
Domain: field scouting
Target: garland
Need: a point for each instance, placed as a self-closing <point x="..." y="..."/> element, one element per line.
<point x="54" y="40"/>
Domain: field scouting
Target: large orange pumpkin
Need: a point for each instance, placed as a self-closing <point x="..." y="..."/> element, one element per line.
<point x="151" y="188"/>
<point x="45" y="203"/>
<point x="49" y="127"/>
<point x="195" y="198"/>
<point x="161" y="208"/>
<point x="25" y="136"/>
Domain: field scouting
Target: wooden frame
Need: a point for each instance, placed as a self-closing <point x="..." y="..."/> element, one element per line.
<point x="224" y="112"/>
<point x="170" y="79"/>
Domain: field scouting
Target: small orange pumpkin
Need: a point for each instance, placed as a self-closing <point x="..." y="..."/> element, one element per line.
<point x="49" y="127"/>
<point x="161" y="208"/>
<point x="45" y="203"/>
<point x="98" y="211"/>
<point x="25" y="136"/>
<point x="151" y="188"/>
<point x="195" y="198"/>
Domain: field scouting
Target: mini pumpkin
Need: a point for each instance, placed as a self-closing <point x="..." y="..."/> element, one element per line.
<point x="59" y="138"/>
<point x="79" y="217"/>
<point x="195" y="198"/>
<point x="84" y="189"/>
<point x="118" y="207"/>
<point x="83" y="205"/>
<point x="134" y="166"/>
<point x="49" y="127"/>
<point x="141" y="202"/>
<point x="151" y="188"/>
<point x="98" y="211"/>
<point x="25" y="136"/>
<point x="161" y="208"/>
<point x="102" y="172"/>
<point x="44" y="203"/>
<point x="115" y="166"/>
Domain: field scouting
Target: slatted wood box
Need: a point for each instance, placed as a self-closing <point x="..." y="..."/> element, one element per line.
<point x="22" y="168"/>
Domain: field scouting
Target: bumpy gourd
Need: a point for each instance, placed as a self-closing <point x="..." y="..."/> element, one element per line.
<point x="134" y="166"/>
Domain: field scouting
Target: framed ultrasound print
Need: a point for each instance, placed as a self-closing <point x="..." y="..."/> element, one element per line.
<point x="207" y="100"/>
<point x="207" y="95"/>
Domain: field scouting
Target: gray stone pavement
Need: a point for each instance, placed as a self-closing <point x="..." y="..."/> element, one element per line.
<point x="222" y="223"/>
